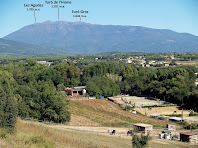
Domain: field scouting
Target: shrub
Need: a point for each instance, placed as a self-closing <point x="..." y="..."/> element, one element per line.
<point x="3" y="134"/>
<point x="191" y="126"/>
<point x="140" y="141"/>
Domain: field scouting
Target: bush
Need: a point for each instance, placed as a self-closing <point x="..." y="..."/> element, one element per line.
<point x="140" y="141"/>
<point x="60" y="87"/>
<point x="193" y="114"/>
<point x="3" y="134"/>
<point x="191" y="126"/>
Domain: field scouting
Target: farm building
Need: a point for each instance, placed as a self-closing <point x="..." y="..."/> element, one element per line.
<point x="188" y="137"/>
<point x="171" y="126"/>
<point x="116" y="100"/>
<point x="143" y="127"/>
<point x="166" y="134"/>
<point x="76" y="91"/>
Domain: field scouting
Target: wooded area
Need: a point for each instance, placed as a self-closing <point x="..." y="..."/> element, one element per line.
<point x="33" y="90"/>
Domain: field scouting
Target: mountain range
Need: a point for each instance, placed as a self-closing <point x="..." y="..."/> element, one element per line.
<point x="62" y="37"/>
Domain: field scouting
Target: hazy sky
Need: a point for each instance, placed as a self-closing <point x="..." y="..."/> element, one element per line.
<point x="177" y="15"/>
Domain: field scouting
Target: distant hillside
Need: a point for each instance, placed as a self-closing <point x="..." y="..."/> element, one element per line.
<point x="11" y="48"/>
<point x="90" y="38"/>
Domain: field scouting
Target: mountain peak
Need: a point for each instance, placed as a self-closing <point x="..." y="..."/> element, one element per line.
<point x="89" y="38"/>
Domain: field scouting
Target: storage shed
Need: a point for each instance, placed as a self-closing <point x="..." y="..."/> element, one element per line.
<point x="143" y="127"/>
<point x="78" y="91"/>
<point x="188" y="137"/>
<point x="171" y="126"/>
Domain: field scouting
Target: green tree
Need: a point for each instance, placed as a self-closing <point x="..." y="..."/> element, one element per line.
<point x="102" y="86"/>
<point x="8" y="106"/>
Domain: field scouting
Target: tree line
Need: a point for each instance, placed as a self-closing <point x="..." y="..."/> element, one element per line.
<point x="33" y="90"/>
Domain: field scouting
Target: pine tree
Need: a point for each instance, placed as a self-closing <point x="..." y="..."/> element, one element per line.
<point x="8" y="110"/>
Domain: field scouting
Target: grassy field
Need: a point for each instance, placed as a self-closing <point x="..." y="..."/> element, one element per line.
<point x="105" y="113"/>
<point x="31" y="134"/>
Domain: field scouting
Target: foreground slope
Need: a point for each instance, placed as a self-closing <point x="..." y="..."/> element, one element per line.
<point x="91" y="38"/>
<point x="33" y="135"/>
<point x="106" y="113"/>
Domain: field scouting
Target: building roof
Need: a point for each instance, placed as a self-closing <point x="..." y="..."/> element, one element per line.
<point x="163" y="116"/>
<point x="78" y="88"/>
<point x="188" y="133"/>
<point x="155" y="115"/>
<point x="176" y="118"/>
<point x="142" y="125"/>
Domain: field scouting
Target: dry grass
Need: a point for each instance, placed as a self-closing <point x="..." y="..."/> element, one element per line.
<point x="105" y="113"/>
<point x="36" y="135"/>
<point x="52" y="136"/>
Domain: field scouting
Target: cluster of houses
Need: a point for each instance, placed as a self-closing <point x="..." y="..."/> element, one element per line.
<point x="142" y="61"/>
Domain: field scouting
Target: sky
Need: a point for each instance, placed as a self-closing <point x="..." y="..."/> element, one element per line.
<point x="177" y="15"/>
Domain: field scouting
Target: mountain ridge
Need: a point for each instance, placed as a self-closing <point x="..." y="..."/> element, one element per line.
<point x="93" y="38"/>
